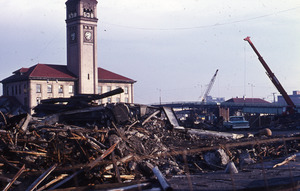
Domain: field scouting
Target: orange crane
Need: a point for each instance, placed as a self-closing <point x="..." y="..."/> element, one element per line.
<point x="291" y="106"/>
<point x="211" y="83"/>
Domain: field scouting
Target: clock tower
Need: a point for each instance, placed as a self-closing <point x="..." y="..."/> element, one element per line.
<point x="82" y="43"/>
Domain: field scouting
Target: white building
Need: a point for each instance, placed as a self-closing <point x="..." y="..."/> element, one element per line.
<point x="81" y="75"/>
<point x="295" y="97"/>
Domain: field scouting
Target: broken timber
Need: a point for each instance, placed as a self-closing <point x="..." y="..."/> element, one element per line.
<point x="112" y="147"/>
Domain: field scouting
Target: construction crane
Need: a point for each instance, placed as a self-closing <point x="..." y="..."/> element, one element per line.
<point x="291" y="106"/>
<point x="211" y="83"/>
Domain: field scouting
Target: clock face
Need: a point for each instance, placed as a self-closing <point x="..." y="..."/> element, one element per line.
<point x="88" y="35"/>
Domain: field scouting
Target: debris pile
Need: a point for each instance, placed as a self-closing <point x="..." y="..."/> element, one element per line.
<point x="116" y="145"/>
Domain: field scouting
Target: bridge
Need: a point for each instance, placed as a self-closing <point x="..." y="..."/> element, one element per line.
<point x="254" y="108"/>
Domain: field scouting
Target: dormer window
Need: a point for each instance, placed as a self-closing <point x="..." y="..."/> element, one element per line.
<point x="21" y="71"/>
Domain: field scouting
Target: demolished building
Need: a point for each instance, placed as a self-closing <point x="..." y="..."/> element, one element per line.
<point x="80" y="145"/>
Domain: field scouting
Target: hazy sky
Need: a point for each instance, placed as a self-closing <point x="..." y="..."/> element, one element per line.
<point x="171" y="48"/>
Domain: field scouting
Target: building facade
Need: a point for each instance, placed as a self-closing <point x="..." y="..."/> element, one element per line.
<point x="295" y="97"/>
<point x="43" y="81"/>
<point x="81" y="75"/>
<point x="109" y="81"/>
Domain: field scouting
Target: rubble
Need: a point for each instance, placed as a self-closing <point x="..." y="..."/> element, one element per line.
<point x="101" y="147"/>
<point x="217" y="158"/>
<point x="230" y="168"/>
<point x="208" y="133"/>
<point x="10" y="106"/>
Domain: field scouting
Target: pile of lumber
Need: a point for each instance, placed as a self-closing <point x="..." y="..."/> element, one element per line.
<point x="100" y="147"/>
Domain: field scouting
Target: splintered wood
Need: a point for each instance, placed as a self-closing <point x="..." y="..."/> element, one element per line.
<point x="112" y="146"/>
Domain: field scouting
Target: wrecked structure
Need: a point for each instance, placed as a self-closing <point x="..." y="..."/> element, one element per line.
<point x="77" y="144"/>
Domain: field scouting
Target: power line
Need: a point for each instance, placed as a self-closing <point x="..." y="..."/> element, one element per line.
<point x="203" y="26"/>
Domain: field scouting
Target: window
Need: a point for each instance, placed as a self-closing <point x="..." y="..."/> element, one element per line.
<point x="25" y="89"/>
<point x="72" y="14"/>
<point x="88" y="13"/>
<point x="60" y="89"/>
<point x="25" y="101"/>
<point x="12" y="90"/>
<point x="38" y="100"/>
<point x="71" y="89"/>
<point x="118" y="100"/>
<point x="109" y="100"/>
<point x="99" y="89"/>
<point x="38" y="88"/>
<point x="126" y="90"/>
<point x="126" y="100"/>
<point x="108" y="88"/>
<point x="49" y="88"/>
<point x="20" y="89"/>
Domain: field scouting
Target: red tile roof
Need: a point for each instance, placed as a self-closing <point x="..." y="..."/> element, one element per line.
<point x="41" y="71"/>
<point x="46" y="71"/>
<point x="108" y="76"/>
<point x="50" y="71"/>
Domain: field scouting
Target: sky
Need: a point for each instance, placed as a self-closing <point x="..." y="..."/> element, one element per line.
<point x="172" y="48"/>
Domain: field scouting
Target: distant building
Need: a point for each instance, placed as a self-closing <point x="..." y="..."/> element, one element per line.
<point x="237" y="106"/>
<point x="210" y="99"/>
<point x="247" y="101"/>
<point x="295" y="97"/>
<point x="81" y="75"/>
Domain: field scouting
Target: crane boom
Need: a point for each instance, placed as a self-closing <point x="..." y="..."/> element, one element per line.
<point x="211" y="83"/>
<point x="273" y="78"/>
